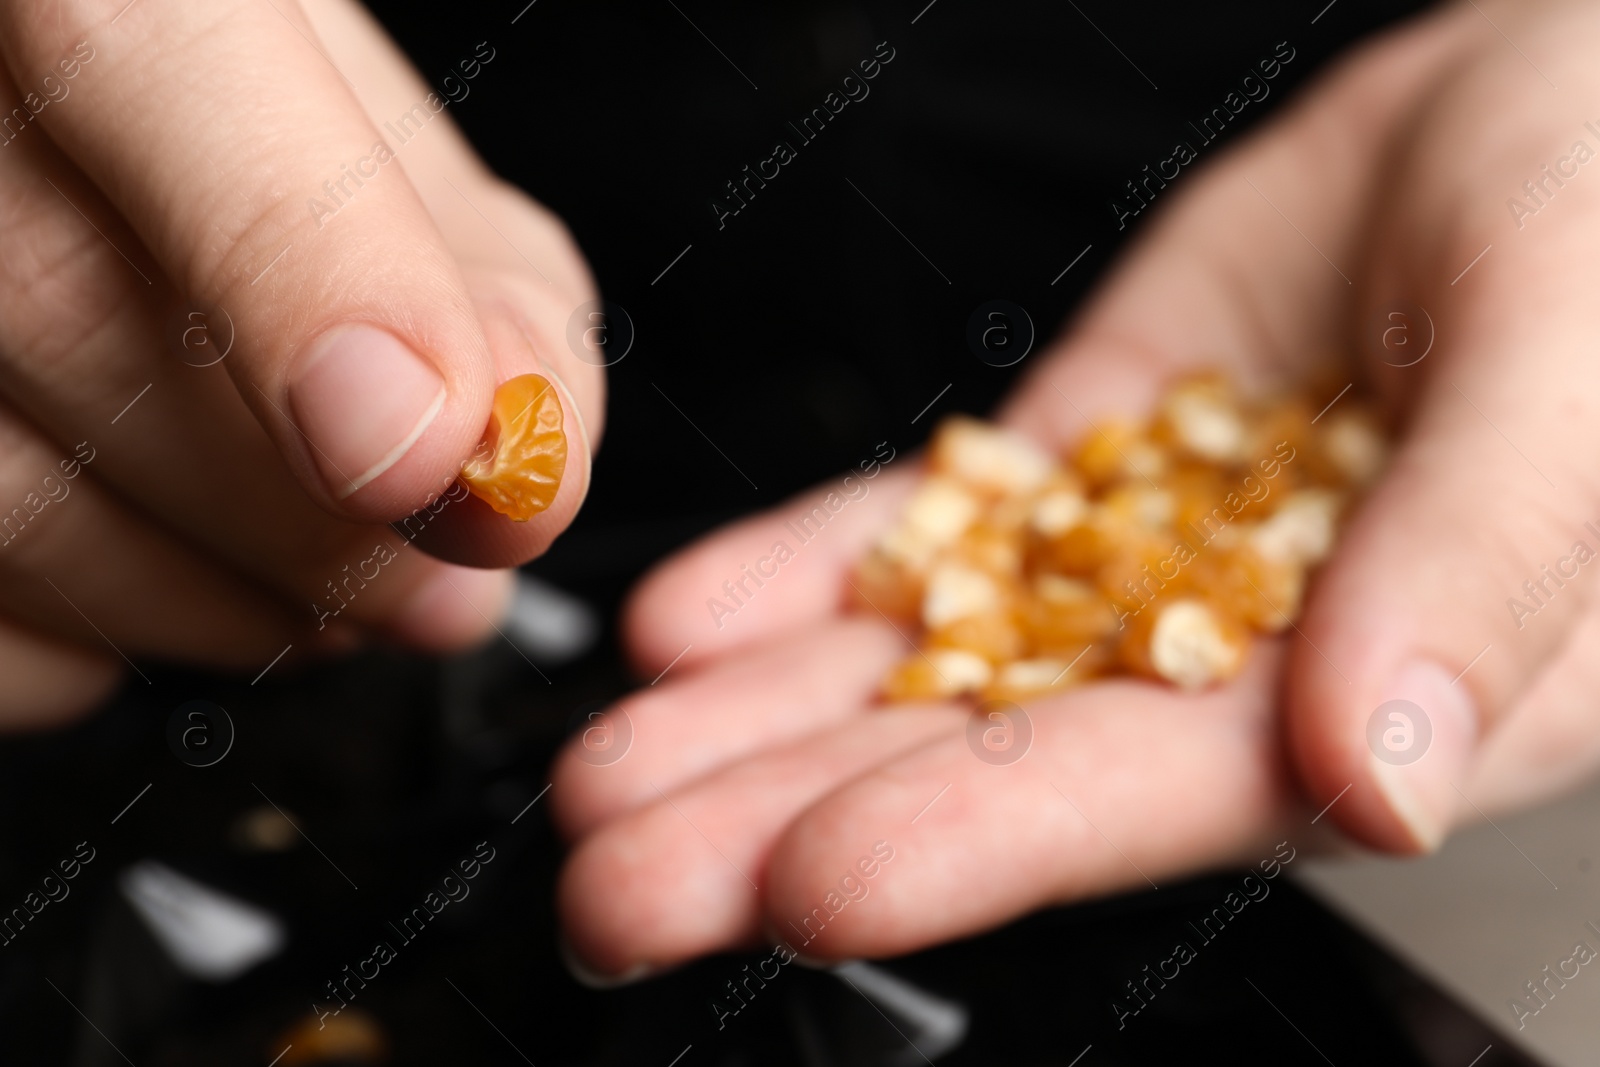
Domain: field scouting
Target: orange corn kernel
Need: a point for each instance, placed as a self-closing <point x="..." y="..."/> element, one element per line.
<point x="1116" y="451"/>
<point x="1066" y="614"/>
<point x="523" y="476"/>
<point x="1139" y="573"/>
<point x="1188" y="642"/>
<point x="997" y="636"/>
<point x="992" y="549"/>
<point x="881" y="584"/>
<point x="1025" y="678"/>
<point x="1202" y="417"/>
<point x="987" y="458"/>
<point x="938" y="674"/>
<point x="1350" y="448"/>
<point x="1261" y="590"/>
<point x="1155" y="549"/>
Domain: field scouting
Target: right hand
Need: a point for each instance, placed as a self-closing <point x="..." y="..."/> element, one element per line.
<point x="164" y="153"/>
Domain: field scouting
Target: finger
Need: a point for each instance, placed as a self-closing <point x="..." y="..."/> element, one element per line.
<point x="459" y="526"/>
<point x="48" y="682"/>
<point x="525" y="273"/>
<point x="684" y="728"/>
<point x="1125" y="785"/>
<point x="177" y="437"/>
<point x="680" y="878"/>
<point x="155" y="599"/>
<point x="358" y="347"/>
<point x="1240" y="267"/>
<point x="776" y="573"/>
<point x="1462" y="575"/>
<point x="1546" y="743"/>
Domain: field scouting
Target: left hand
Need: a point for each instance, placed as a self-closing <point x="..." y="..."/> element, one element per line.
<point x="760" y="772"/>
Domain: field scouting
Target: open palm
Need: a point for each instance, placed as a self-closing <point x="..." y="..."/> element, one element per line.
<point x="761" y="776"/>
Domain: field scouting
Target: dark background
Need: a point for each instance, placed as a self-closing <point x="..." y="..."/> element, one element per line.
<point x="806" y="330"/>
<point x="797" y="338"/>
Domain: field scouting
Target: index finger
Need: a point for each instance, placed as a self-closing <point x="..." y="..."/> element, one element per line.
<point x="240" y="156"/>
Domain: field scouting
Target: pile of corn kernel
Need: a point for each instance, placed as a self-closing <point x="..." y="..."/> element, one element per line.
<point x="1154" y="549"/>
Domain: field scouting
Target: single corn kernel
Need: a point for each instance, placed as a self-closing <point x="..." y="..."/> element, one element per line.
<point x="991" y="549"/>
<point x="882" y="583"/>
<point x="937" y="514"/>
<point x="988" y="458"/>
<point x="1354" y="446"/>
<point x="1030" y="678"/>
<point x="1139" y="506"/>
<point x="1202" y="417"/>
<point x="1302" y="529"/>
<point x="1187" y="643"/>
<point x="1200" y="499"/>
<point x="1144" y="571"/>
<point x="938" y="674"/>
<point x="1080" y="549"/>
<point x="997" y="636"/>
<point x="1057" y="511"/>
<point x="1066" y="614"/>
<point x="523" y="476"/>
<point x="1282" y="442"/>
<point x="955" y="591"/>
<point x="1262" y="591"/>
<point x="1116" y="451"/>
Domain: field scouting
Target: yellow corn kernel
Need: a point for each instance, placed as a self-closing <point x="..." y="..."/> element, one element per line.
<point x="1186" y="642"/>
<point x="937" y="674"/>
<point x="987" y="458"/>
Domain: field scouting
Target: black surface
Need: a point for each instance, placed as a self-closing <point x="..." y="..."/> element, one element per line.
<point x="396" y="770"/>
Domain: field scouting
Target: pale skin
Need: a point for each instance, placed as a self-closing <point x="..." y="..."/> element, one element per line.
<point x="760" y="768"/>
<point x="218" y="507"/>
<point x="214" y="510"/>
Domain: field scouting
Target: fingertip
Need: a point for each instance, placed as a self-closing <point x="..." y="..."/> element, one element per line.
<point x="1383" y="748"/>
<point x="50" y="685"/>
<point x="651" y="619"/>
<point x="384" y="426"/>
<point x="1420" y="740"/>
<point x="453" y="609"/>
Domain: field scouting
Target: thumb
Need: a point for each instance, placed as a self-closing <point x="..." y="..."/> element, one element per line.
<point x="1461" y="577"/>
<point x="358" y="348"/>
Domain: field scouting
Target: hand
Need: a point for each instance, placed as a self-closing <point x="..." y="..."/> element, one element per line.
<point x="176" y="177"/>
<point x="760" y="773"/>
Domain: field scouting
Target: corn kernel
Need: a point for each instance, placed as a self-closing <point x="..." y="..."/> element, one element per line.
<point x="882" y="583"/>
<point x="1301" y="530"/>
<point x="1187" y="643"/>
<point x="997" y="636"/>
<point x="938" y="513"/>
<point x="938" y="674"/>
<point x="1154" y="549"/>
<point x="1030" y="678"/>
<point x="988" y="458"/>
<point x="955" y="591"/>
<point x="1058" y="511"/>
<point x="1065" y="614"/>
<point x="1118" y="450"/>
<point x="1354" y="446"/>
<point x="1200" y="416"/>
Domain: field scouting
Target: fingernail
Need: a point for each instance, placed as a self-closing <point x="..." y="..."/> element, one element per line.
<point x="589" y="978"/>
<point x="362" y="398"/>
<point x="1422" y="738"/>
